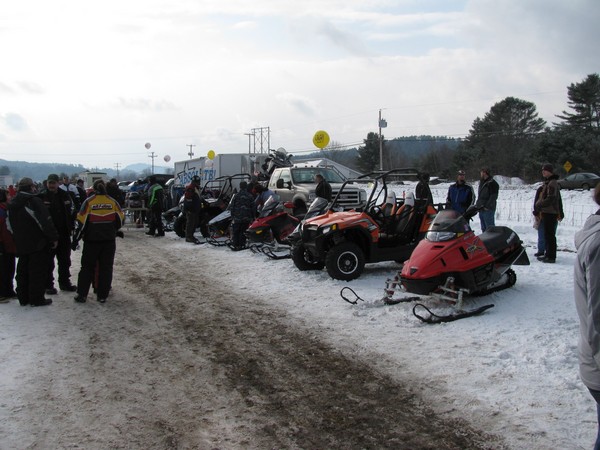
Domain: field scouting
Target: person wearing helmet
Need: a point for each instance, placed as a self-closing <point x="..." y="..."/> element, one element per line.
<point x="422" y="191"/>
<point x="191" y="207"/>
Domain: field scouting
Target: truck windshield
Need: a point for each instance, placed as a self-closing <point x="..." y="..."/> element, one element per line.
<point x="302" y="175"/>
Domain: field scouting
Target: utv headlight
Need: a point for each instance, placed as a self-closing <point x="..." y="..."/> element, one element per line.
<point x="440" y="236"/>
<point x="328" y="228"/>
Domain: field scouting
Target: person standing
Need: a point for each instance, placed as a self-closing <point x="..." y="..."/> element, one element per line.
<point x="460" y="194"/>
<point x="587" y="303"/>
<point x="487" y="197"/>
<point x="323" y="188"/>
<point x="191" y="206"/>
<point x="548" y="206"/>
<point x="112" y="189"/>
<point x="61" y="209"/>
<point x="539" y="222"/>
<point x="263" y="194"/>
<point x="73" y="192"/>
<point x="98" y="223"/>
<point x="7" y="253"/>
<point x="422" y="190"/>
<point x="81" y="190"/>
<point x="34" y="235"/>
<point x="242" y="214"/>
<point x="155" y="208"/>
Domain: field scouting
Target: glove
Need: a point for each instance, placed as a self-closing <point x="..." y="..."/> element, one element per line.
<point x="74" y="245"/>
<point x="120" y="234"/>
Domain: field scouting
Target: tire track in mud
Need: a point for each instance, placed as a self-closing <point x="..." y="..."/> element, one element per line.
<point x="288" y="389"/>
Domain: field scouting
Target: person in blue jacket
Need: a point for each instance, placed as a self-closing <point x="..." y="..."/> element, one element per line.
<point x="461" y="195"/>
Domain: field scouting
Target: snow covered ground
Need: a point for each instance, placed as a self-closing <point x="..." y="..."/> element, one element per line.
<point x="511" y="371"/>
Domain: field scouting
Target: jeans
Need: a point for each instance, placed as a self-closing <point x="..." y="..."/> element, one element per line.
<point x="549" y="223"/>
<point x="542" y="238"/>
<point x="487" y="219"/>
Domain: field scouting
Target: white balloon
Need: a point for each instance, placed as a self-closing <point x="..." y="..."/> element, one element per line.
<point x="147" y="145"/>
<point x="167" y="158"/>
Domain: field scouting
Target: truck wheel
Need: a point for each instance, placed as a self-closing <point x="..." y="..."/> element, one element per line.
<point x="345" y="261"/>
<point x="303" y="260"/>
<point x="179" y="225"/>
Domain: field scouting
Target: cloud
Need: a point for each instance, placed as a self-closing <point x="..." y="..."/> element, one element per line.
<point x="14" y="122"/>
<point x="145" y="104"/>
<point x="299" y="104"/>
<point x="30" y="87"/>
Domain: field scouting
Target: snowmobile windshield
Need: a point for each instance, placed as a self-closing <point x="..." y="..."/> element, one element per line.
<point x="448" y="224"/>
<point x="317" y="207"/>
<point x="272" y="205"/>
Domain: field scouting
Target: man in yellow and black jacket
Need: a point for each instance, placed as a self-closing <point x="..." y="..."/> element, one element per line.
<point x="98" y="224"/>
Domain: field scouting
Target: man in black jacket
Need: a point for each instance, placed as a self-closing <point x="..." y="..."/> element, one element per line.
<point x="323" y="188"/>
<point x="61" y="208"/>
<point x="34" y="234"/>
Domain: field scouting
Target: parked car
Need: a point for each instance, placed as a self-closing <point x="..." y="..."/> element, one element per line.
<point x="124" y="185"/>
<point x="579" y="181"/>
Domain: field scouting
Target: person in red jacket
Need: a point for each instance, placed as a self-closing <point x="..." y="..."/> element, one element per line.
<point x="7" y="254"/>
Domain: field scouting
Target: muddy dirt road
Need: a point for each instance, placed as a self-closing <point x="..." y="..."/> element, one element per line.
<point x="175" y="360"/>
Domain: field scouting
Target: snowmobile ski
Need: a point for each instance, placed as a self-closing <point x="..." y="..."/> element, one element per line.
<point x="436" y="318"/>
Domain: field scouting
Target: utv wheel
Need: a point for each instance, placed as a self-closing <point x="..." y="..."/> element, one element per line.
<point x="345" y="261"/>
<point x="303" y="260"/>
<point x="179" y="225"/>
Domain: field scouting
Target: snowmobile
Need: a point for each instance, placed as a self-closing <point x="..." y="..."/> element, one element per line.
<point x="219" y="229"/>
<point x="215" y="196"/>
<point x="268" y="233"/>
<point x="385" y="229"/>
<point x="452" y="262"/>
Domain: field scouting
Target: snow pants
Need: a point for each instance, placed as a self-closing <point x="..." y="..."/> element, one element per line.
<point x="32" y="272"/>
<point x="101" y="254"/>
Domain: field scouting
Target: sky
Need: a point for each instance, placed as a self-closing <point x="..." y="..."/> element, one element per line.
<point x="93" y="82"/>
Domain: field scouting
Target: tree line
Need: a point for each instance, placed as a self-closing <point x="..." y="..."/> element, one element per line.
<point x="511" y="139"/>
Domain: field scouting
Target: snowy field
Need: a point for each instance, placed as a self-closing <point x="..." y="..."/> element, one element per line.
<point x="511" y="371"/>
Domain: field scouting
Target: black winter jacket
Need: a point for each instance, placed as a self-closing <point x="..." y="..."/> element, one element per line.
<point x="30" y="224"/>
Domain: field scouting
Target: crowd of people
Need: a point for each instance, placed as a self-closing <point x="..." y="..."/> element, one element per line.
<point x="41" y="226"/>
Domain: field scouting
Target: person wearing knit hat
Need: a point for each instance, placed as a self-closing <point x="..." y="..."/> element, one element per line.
<point x="487" y="196"/>
<point x="34" y="234"/>
<point x="460" y="194"/>
<point x="549" y="208"/>
<point x="62" y="209"/>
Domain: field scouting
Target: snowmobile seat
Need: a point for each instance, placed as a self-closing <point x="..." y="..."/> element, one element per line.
<point x="495" y="238"/>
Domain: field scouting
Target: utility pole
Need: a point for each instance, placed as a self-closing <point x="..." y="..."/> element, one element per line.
<point x="249" y="147"/>
<point x="152" y="155"/>
<point x="262" y="134"/>
<point x="191" y="152"/>
<point x="117" y="165"/>
<point x="382" y="124"/>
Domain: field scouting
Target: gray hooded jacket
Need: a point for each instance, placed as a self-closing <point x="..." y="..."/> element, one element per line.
<point x="587" y="300"/>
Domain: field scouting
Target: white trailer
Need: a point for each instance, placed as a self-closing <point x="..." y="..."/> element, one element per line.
<point x="220" y="165"/>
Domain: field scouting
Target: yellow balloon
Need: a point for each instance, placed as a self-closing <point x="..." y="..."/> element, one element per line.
<point x="211" y="154"/>
<point x="321" y="139"/>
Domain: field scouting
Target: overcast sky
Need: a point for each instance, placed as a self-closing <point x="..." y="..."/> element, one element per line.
<point x="91" y="82"/>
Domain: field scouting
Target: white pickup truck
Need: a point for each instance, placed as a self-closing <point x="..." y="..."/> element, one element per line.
<point x="297" y="185"/>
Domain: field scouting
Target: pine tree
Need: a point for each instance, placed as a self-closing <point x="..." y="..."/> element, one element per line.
<point x="584" y="99"/>
<point x="368" y="155"/>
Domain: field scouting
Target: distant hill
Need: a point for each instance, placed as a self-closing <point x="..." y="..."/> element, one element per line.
<point x="40" y="171"/>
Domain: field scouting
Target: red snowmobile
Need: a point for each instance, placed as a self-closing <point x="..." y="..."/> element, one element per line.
<point x="268" y="233"/>
<point x="452" y="261"/>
